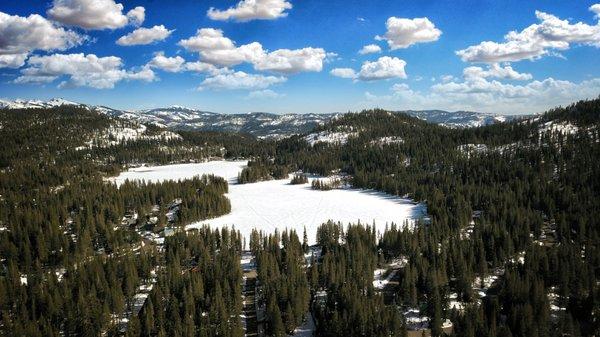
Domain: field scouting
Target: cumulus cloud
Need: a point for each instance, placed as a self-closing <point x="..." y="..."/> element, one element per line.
<point x="481" y="94"/>
<point x="343" y="72"/>
<point x="178" y="64"/>
<point x="247" y="10"/>
<point x="496" y="71"/>
<point x="169" y="64"/>
<point x="240" y="81"/>
<point x="80" y="71"/>
<point x="219" y="50"/>
<point x="137" y="16"/>
<point x="263" y="94"/>
<point x="596" y="9"/>
<point x="143" y="36"/>
<point x="370" y="49"/>
<point x="403" y="33"/>
<point x="384" y="68"/>
<point x="21" y="35"/>
<point x="534" y="96"/>
<point x="445" y="78"/>
<point x="12" y="60"/>
<point x="202" y="67"/>
<point x="94" y="14"/>
<point x="549" y="35"/>
<point x="292" y="61"/>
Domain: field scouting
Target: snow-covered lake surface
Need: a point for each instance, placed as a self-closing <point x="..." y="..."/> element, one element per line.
<point x="277" y="204"/>
<point x="225" y="169"/>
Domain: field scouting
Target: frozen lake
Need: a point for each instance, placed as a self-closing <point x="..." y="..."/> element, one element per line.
<point x="277" y="204"/>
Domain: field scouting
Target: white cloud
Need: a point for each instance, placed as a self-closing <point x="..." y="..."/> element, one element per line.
<point x="445" y="78"/>
<point x="370" y="49"/>
<point x="80" y="71"/>
<point x="240" y="81"/>
<point x="145" y="74"/>
<point x="178" y="64"/>
<point x="94" y="14"/>
<point x="21" y="35"/>
<point x="480" y="94"/>
<point x="292" y="61"/>
<point x="494" y="70"/>
<point x="403" y="33"/>
<point x="263" y="94"/>
<point x="202" y="67"/>
<point x="596" y="9"/>
<point x="137" y="16"/>
<point x="143" y="36"/>
<point x="169" y="64"/>
<point x="217" y="49"/>
<point x="385" y="67"/>
<point x="247" y="10"/>
<point x="343" y="72"/>
<point x="550" y="35"/>
<point x="12" y="60"/>
<point x="534" y="96"/>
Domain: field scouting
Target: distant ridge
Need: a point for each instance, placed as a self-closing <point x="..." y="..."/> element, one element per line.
<point x="260" y="124"/>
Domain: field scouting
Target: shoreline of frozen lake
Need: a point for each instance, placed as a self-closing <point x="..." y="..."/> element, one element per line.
<point x="276" y="204"/>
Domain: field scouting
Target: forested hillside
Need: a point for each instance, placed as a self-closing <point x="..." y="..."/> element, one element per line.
<point x="513" y="203"/>
<point x="78" y="254"/>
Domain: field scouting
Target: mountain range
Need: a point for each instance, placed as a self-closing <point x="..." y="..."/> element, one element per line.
<point x="259" y="124"/>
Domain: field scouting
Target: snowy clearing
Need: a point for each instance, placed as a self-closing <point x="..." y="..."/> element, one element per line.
<point x="277" y="204"/>
<point x="155" y="174"/>
<point x="329" y="137"/>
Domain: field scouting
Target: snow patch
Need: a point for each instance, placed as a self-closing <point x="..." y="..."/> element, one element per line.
<point x="329" y="137"/>
<point x="564" y="128"/>
<point x="387" y="140"/>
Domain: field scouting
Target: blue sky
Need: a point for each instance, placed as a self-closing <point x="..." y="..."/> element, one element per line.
<point x="288" y="55"/>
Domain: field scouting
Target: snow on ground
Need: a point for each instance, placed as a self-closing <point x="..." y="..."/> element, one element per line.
<point x="277" y="204"/>
<point x="472" y="149"/>
<point x="329" y="137"/>
<point x="394" y="267"/>
<point x="126" y="132"/>
<point x="417" y="321"/>
<point x="554" y="299"/>
<point x="387" y="140"/>
<point x="453" y="302"/>
<point x="307" y="329"/>
<point x="488" y="282"/>
<point x="564" y="128"/>
<point x="380" y="283"/>
<point x="247" y="261"/>
<point x="154" y="174"/>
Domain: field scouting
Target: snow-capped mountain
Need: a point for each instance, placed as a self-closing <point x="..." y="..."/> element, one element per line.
<point x="459" y="119"/>
<point x="260" y="124"/>
<point x="35" y="104"/>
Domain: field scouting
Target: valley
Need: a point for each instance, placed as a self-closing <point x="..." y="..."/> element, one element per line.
<point x="417" y="228"/>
